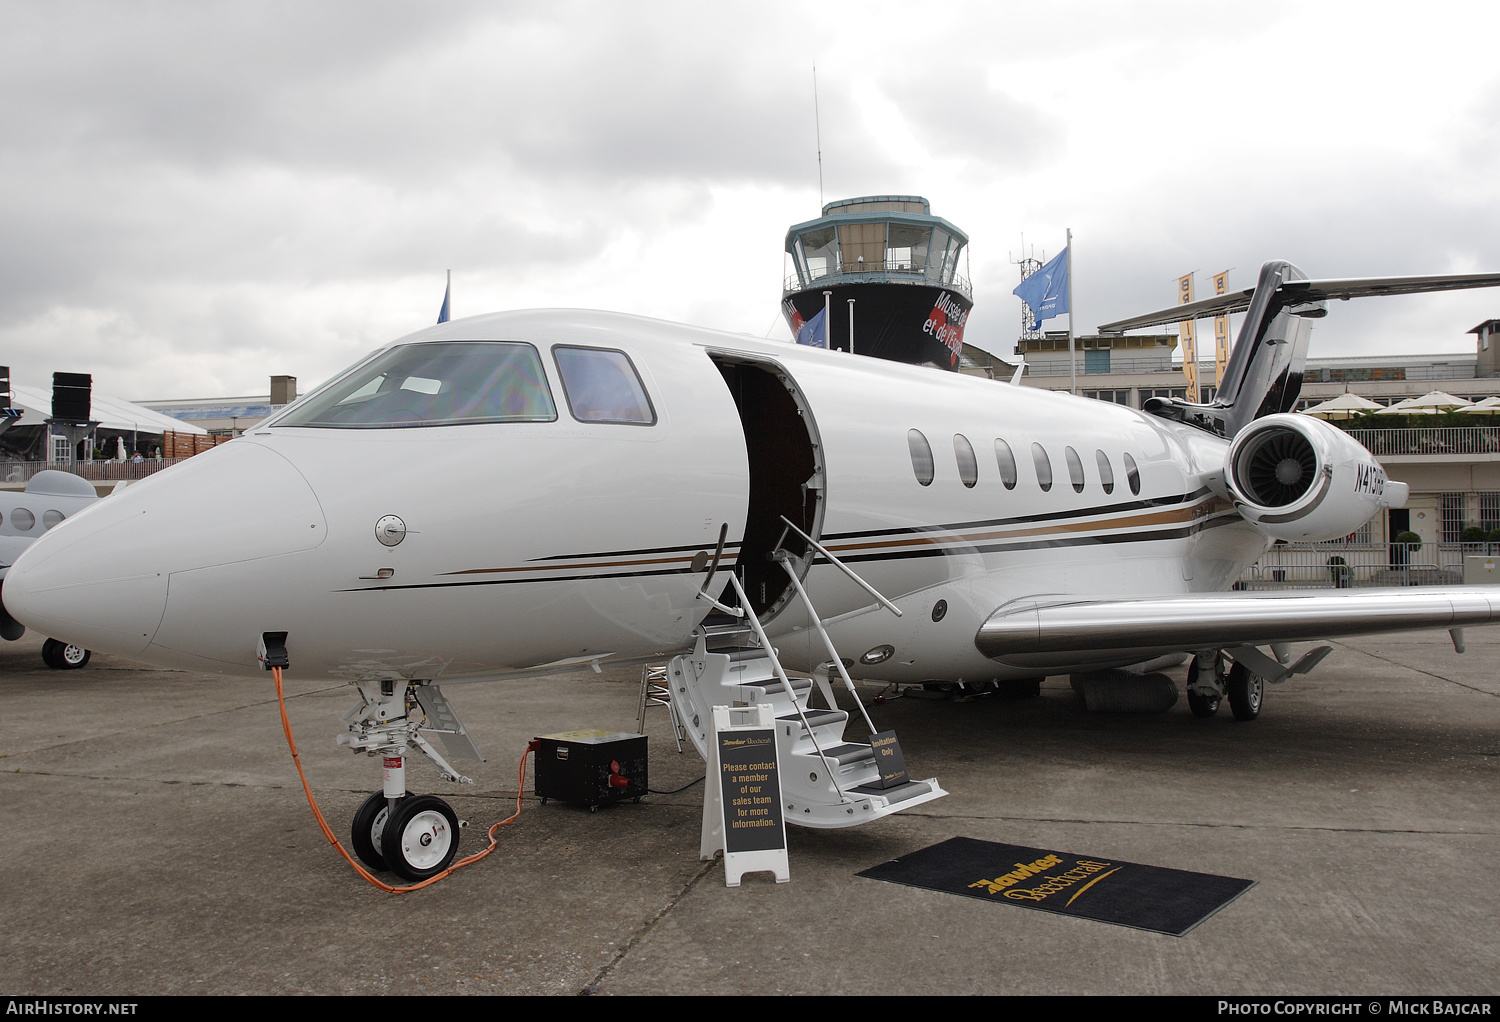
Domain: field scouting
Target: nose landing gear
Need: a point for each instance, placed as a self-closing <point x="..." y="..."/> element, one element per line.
<point x="413" y="836"/>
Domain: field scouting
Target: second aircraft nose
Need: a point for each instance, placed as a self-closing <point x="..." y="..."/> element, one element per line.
<point x="101" y="579"/>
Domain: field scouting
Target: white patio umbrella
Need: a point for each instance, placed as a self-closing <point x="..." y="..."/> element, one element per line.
<point x="1345" y="406"/>
<point x="1432" y="403"/>
<point x="1489" y="406"/>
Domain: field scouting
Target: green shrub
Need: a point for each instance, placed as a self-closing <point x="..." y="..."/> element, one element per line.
<point x="1410" y="538"/>
<point x="1493" y="536"/>
<point x="1473" y="534"/>
<point x="1339" y="570"/>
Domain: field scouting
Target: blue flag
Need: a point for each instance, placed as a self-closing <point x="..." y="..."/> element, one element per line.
<point x="1046" y="290"/>
<point x="447" y="293"/>
<point x="814" y="332"/>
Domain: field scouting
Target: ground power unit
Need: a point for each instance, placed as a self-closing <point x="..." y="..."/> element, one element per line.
<point x="591" y="767"/>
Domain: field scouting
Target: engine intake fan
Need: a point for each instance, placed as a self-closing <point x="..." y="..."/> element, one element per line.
<point x="1276" y="467"/>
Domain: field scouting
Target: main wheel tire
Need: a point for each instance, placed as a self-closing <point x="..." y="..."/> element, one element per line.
<point x="1247" y="692"/>
<point x="420" y="837"/>
<point x="1202" y="706"/>
<point x="365" y="832"/>
<point x="64" y="656"/>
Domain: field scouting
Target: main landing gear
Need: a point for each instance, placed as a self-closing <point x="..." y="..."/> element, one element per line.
<point x="1205" y="683"/>
<point x="1211" y="679"/>
<point x="63" y="656"/>
<point x="413" y="836"/>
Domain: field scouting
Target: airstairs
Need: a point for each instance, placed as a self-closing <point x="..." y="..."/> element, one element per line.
<point x="825" y="781"/>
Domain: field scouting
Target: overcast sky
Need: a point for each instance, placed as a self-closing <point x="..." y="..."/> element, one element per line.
<point x="199" y="195"/>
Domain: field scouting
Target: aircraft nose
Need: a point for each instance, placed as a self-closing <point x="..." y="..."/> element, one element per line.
<point x="100" y="580"/>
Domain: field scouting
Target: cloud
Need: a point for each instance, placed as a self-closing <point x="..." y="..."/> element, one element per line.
<point x="199" y="195"/>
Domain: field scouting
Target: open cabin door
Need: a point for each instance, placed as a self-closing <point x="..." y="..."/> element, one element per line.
<point x="786" y="478"/>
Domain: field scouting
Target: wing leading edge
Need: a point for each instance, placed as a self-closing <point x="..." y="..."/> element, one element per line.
<point x="1054" y="633"/>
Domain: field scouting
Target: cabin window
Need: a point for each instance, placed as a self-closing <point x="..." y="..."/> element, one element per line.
<point x="439" y="383"/>
<point x="51" y="518"/>
<point x="1106" y="472"/>
<point x="601" y="385"/>
<point x="1007" y="462"/>
<point x="1043" y="467"/>
<point x="22" y="519"/>
<point x="1132" y="474"/>
<point x="1075" y="469"/>
<point x="921" y="456"/>
<point x="968" y="465"/>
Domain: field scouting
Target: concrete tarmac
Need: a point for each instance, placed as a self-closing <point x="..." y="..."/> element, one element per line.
<point x="156" y="841"/>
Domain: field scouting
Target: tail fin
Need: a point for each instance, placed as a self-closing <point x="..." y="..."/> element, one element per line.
<point x="1264" y="372"/>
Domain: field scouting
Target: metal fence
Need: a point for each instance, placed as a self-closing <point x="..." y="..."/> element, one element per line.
<point x="1375" y="374"/>
<point x="892" y="271"/>
<point x="22" y="471"/>
<point x="1357" y="565"/>
<point x="1430" y="440"/>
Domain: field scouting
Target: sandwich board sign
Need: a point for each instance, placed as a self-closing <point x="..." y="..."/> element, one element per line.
<point x="742" y="799"/>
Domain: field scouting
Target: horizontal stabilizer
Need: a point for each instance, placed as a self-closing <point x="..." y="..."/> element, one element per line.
<point x="1042" y="633"/>
<point x="1299" y="291"/>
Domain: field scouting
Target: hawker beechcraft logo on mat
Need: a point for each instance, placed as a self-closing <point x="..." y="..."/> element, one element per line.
<point x="1084" y="874"/>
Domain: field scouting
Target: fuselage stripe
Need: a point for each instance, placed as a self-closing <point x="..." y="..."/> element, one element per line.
<point x="1202" y="517"/>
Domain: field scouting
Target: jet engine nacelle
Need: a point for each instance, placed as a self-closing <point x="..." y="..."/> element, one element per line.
<point x="1298" y="478"/>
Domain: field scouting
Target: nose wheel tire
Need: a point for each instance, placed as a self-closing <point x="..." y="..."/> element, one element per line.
<point x="366" y="830"/>
<point x="63" y="656"/>
<point x="1247" y="692"/>
<point x="420" y="837"/>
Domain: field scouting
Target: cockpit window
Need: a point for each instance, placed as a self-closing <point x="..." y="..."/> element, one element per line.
<point x="441" y="383"/>
<point x="602" y="386"/>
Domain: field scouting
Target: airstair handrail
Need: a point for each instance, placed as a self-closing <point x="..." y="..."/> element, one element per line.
<point x="842" y="567"/>
<point x="838" y="662"/>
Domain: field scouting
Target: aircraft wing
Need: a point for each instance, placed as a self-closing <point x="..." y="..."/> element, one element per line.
<point x="1299" y="291"/>
<point x="1056" y="632"/>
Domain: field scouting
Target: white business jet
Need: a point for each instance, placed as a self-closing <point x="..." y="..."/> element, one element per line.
<point x="50" y="497"/>
<point x="537" y="491"/>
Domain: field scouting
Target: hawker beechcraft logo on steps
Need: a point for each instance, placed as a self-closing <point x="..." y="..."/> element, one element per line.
<point x="1109" y="890"/>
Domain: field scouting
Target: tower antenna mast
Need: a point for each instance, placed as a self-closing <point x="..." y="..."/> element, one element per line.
<point x="818" y="129"/>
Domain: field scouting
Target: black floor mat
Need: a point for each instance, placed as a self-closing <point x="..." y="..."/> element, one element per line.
<point x="1109" y="890"/>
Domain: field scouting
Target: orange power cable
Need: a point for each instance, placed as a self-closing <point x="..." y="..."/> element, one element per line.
<point x="286" y="726"/>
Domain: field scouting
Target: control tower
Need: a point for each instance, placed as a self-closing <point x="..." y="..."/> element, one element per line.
<point x="899" y="265"/>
